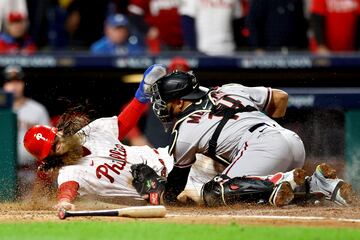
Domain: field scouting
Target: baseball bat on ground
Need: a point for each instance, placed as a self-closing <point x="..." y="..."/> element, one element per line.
<point x="132" y="212"/>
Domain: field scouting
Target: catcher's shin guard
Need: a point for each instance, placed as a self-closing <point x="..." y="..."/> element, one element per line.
<point x="222" y="190"/>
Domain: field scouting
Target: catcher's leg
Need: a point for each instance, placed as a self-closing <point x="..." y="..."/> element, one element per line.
<point x="278" y="188"/>
<point x="286" y="184"/>
<point x="295" y="177"/>
<point x="222" y="190"/>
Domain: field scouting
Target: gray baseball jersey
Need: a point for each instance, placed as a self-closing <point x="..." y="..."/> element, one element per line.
<point x="195" y="132"/>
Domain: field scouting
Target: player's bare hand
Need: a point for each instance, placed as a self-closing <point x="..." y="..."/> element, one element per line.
<point x="64" y="205"/>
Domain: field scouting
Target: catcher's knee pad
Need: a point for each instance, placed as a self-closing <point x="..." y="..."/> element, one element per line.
<point x="223" y="190"/>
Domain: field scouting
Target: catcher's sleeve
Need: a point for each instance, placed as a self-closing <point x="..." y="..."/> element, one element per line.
<point x="68" y="191"/>
<point x="176" y="183"/>
<point x="129" y="117"/>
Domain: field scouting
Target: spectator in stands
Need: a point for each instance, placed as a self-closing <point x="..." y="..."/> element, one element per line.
<point x="57" y="36"/>
<point x="16" y="39"/>
<point x="29" y="113"/>
<point x="85" y="22"/>
<point x="9" y="6"/>
<point x="336" y="25"/>
<point x="240" y="29"/>
<point x="277" y="24"/>
<point x="159" y="22"/>
<point x="39" y="15"/>
<point x="117" y="39"/>
<point x="208" y="25"/>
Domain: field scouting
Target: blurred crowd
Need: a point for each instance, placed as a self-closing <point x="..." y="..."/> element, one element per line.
<point x="211" y="27"/>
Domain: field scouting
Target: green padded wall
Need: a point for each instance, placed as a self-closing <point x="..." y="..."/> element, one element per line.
<point x="8" y="154"/>
<point x="352" y="148"/>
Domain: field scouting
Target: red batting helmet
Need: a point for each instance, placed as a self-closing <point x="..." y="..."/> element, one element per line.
<point x="39" y="139"/>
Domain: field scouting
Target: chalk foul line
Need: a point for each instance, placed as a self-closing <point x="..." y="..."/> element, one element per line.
<point x="273" y="217"/>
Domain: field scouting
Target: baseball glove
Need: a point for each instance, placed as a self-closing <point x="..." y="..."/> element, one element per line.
<point x="147" y="183"/>
<point x="151" y="75"/>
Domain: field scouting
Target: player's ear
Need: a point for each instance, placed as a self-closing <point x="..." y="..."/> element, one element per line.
<point x="177" y="103"/>
<point x="180" y="104"/>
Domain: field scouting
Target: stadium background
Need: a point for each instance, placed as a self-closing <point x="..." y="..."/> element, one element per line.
<point x="324" y="103"/>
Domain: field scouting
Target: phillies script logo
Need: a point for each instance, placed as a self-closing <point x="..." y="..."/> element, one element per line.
<point x="119" y="155"/>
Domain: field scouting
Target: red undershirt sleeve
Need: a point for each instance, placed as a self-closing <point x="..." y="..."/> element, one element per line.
<point x="68" y="191"/>
<point x="129" y="117"/>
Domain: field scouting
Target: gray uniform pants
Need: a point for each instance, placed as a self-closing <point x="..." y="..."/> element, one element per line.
<point x="266" y="151"/>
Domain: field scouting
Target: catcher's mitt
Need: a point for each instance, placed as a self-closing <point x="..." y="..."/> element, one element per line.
<point x="148" y="183"/>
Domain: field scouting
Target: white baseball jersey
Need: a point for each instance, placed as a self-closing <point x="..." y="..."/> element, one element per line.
<point x="105" y="171"/>
<point x="277" y="143"/>
<point x="213" y="23"/>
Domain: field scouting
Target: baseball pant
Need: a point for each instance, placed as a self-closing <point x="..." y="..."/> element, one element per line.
<point x="266" y="151"/>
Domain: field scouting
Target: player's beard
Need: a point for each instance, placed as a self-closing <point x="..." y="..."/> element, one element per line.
<point x="73" y="149"/>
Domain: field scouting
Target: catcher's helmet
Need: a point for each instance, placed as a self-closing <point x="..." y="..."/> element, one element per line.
<point x="176" y="85"/>
<point x="38" y="140"/>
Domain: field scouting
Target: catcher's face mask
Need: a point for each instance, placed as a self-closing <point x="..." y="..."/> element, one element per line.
<point x="160" y="108"/>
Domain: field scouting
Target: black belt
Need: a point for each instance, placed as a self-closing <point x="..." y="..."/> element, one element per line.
<point x="256" y="126"/>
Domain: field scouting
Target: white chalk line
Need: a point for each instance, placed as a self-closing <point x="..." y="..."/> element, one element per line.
<point x="273" y="217"/>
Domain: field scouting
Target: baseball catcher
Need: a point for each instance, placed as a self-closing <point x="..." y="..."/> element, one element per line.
<point x="233" y="124"/>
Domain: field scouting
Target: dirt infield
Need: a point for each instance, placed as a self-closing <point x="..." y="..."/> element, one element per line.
<point x="322" y="216"/>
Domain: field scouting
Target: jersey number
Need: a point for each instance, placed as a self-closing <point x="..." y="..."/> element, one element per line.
<point x="225" y="102"/>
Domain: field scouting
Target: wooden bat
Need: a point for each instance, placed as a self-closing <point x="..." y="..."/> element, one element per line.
<point x="132" y="212"/>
